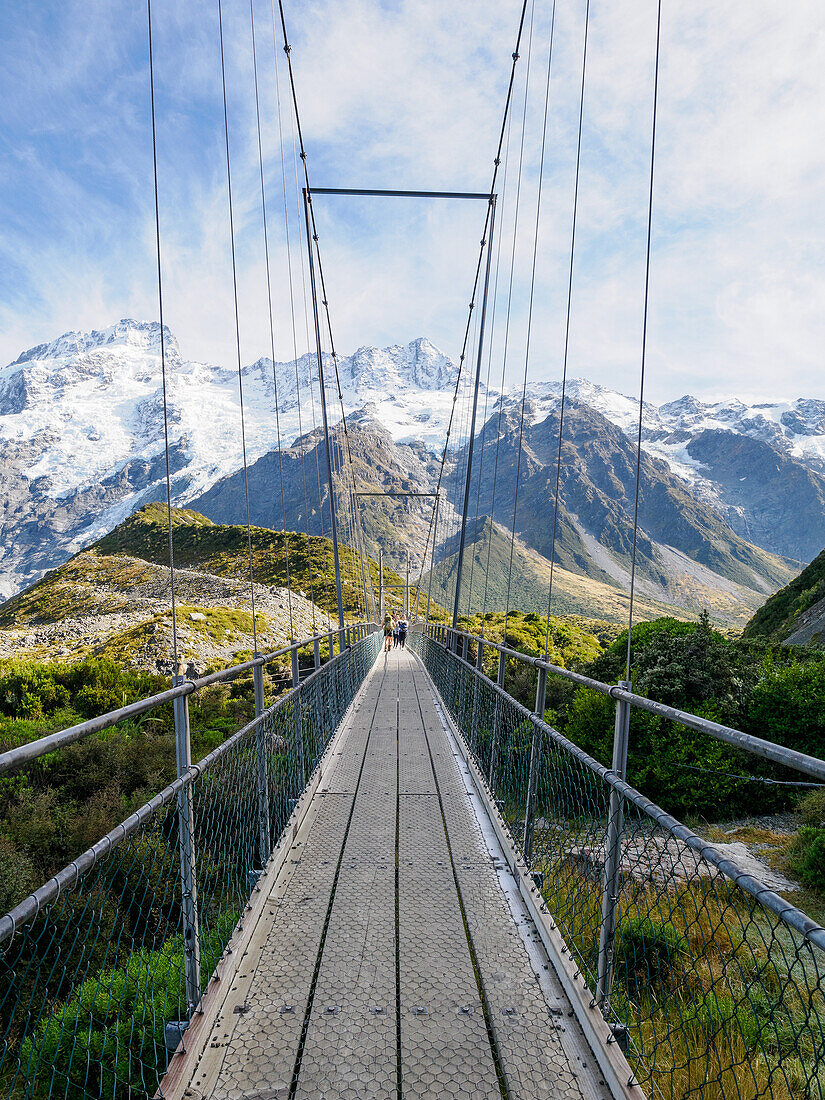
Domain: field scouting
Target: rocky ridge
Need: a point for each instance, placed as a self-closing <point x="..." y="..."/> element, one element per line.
<point x="120" y="606"/>
<point x="81" y="426"/>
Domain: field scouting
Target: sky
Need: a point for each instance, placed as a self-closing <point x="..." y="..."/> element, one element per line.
<point x="410" y="94"/>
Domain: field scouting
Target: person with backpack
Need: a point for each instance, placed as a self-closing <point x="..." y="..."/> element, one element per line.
<point x="403" y="626"/>
<point x="387" y="632"/>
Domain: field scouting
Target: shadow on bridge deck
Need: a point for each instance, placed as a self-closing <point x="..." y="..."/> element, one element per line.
<point x="390" y="953"/>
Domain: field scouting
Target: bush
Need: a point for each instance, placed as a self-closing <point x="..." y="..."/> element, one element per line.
<point x="786" y="705"/>
<point x="110" y="1034"/>
<point x="108" y="1037"/>
<point x="650" y="956"/>
<point x="17" y="875"/>
<point x="807" y="857"/>
<point x="812" y="809"/>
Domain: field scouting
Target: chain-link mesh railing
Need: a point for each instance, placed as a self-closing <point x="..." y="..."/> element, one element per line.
<point x="713" y="984"/>
<point x="101" y="967"/>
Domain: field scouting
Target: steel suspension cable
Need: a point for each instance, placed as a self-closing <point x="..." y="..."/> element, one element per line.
<point x="509" y="305"/>
<point x="493" y="314"/>
<point x="496" y="163"/>
<point x="567" y="323"/>
<point x="498" y="436"/>
<point x="645" y="311"/>
<point x="502" y="390"/>
<point x="271" y="321"/>
<point x="175" y="657"/>
<point x="290" y="273"/>
<point x="237" y="325"/>
<point x="530" y="308"/>
<point x="314" y="240"/>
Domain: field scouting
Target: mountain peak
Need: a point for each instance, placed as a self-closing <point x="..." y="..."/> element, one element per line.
<point x="127" y="332"/>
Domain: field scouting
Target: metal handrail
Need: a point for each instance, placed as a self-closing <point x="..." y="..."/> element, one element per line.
<point x="769" y="750"/>
<point x="748" y="883"/>
<point x="24" y="754"/>
<point x="84" y="863"/>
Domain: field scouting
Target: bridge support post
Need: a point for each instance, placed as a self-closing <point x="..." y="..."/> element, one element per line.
<point x="476" y="690"/>
<point x="264" y="838"/>
<point x="296" y="711"/>
<point x="612" y="861"/>
<point x="535" y="762"/>
<point x="461" y="646"/>
<point x="316" y="652"/>
<point x="491" y="776"/>
<point x="331" y="644"/>
<point x="186" y="847"/>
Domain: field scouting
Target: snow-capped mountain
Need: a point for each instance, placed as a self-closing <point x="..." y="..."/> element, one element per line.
<point x="760" y="465"/>
<point x="82" y="427"/>
<point x="82" y="431"/>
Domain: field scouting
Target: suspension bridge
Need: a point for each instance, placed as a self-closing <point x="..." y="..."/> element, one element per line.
<point x="396" y="879"/>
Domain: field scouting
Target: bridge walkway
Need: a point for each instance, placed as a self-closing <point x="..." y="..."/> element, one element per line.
<point x="387" y="956"/>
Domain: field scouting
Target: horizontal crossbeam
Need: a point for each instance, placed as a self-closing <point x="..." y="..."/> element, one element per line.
<point x="383" y="193"/>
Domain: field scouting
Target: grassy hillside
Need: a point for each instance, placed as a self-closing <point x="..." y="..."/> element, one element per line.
<point x="282" y="559"/>
<point x="573" y="594"/>
<point x="114" y="599"/>
<point x="785" y="612"/>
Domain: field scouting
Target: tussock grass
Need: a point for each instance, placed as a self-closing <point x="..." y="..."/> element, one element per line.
<point x="720" y="999"/>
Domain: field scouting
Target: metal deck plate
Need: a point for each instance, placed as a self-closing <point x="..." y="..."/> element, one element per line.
<point x="387" y="950"/>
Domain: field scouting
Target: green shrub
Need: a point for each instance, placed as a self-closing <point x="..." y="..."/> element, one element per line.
<point x="17" y="875"/>
<point x="650" y="956"/>
<point x="807" y="857"/>
<point x="787" y="705"/>
<point x="108" y="1038"/>
<point x="812" y="809"/>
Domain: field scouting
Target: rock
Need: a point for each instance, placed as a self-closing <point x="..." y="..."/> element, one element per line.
<point x="197" y="616"/>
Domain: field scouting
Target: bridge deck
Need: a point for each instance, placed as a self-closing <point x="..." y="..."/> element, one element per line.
<point x="390" y="957"/>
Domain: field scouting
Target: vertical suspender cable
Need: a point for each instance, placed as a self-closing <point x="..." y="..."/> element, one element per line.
<point x="338" y="593"/>
<point x="530" y="310"/>
<point x="312" y="237"/>
<point x="494" y="302"/>
<point x="290" y="277"/>
<point x="162" y="344"/>
<point x="462" y="537"/>
<point x="567" y="322"/>
<point x="644" y="335"/>
<point x="237" y="326"/>
<point x="496" y="164"/>
<point x="509" y="306"/>
<point x="271" y="322"/>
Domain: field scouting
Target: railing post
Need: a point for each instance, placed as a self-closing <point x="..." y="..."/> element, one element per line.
<point x="535" y="761"/>
<point x="331" y="644"/>
<point x="612" y="861"/>
<point x="296" y="712"/>
<point x="471" y="737"/>
<point x="186" y="845"/>
<point x="491" y="775"/>
<point x="461" y="647"/>
<point x="264" y="840"/>
<point x="316" y="653"/>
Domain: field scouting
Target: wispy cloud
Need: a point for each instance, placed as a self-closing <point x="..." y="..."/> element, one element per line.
<point x="410" y="94"/>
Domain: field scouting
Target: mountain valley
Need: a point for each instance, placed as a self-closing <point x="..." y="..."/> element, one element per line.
<point x="731" y="497"/>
